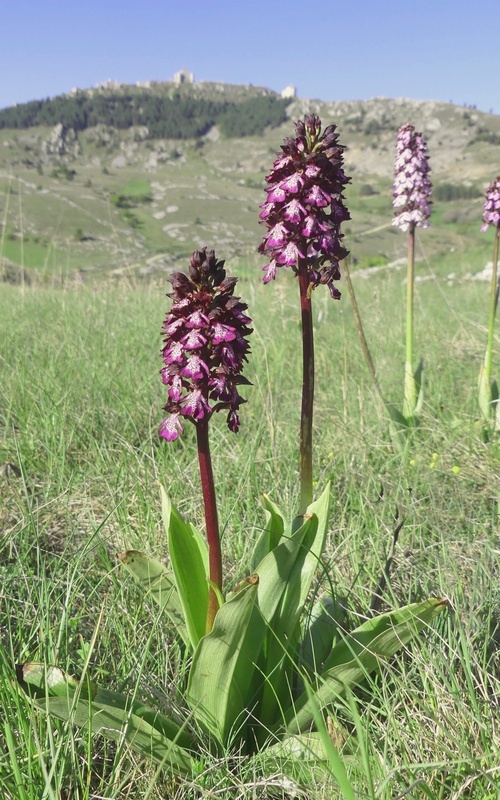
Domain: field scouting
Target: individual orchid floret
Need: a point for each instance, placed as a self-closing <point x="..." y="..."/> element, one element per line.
<point x="305" y="205"/>
<point x="205" y="345"/>
<point x="491" y="212"/>
<point x="412" y="187"/>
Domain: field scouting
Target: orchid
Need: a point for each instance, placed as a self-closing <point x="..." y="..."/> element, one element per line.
<point x="491" y="211"/>
<point x="411" y="201"/>
<point x="303" y="213"/>
<point x="412" y="187"/>
<point x="488" y="396"/>
<point x="305" y="206"/>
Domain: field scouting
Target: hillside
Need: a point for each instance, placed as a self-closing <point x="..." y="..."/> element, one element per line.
<point x="102" y="199"/>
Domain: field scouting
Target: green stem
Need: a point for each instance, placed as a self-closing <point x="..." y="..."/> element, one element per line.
<point x="211" y="519"/>
<point x="410" y="399"/>
<point x="306" y="417"/>
<point x="493" y="307"/>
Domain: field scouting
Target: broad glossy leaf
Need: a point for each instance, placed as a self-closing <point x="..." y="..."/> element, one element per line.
<point x="484" y="394"/>
<point x="226" y="665"/>
<point x="222" y="672"/>
<point x="322" y="630"/>
<point x="276" y="568"/>
<point x="189" y="555"/>
<point x="302" y="758"/>
<point x="272" y="533"/>
<point x="419" y="387"/>
<point x="284" y="632"/>
<point x="360" y="653"/>
<point x="159" y="584"/>
<point x="396" y="416"/>
<point x="111" y="714"/>
<point x="410" y="394"/>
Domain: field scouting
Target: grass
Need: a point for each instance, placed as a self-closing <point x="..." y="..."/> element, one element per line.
<point x="80" y="402"/>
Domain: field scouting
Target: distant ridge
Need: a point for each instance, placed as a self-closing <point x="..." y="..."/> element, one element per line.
<point x="119" y="196"/>
<point x="172" y="110"/>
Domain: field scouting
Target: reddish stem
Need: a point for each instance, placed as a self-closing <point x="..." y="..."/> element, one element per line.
<point x="211" y="519"/>
<point x="306" y="417"/>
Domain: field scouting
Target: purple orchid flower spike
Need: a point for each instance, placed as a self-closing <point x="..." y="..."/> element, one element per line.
<point x="303" y="213"/>
<point x="412" y="207"/>
<point x="412" y="187"/>
<point x="488" y="395"/>
<point x="205" y="346"/>
<point x="305" y="206"/>
<point x="491" y="212"/>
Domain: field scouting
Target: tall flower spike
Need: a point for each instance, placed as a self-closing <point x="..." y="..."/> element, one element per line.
<point x="205" y="345"/>
<point x="304" y="207"/>
<point x="491" y="212"/>
<point x="412" y="187"/>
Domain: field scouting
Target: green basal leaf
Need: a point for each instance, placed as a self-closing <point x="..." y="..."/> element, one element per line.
<point x="111" y="714"/>
<point x="321" y="633"/>
<point x="484" y="394"/>
<point x="419" y="387"/>
<point x="276" y="568"/>
<point x="396" y="416"/>
<point x="302" y="758"/>
<point x="284" y="625"/>
<point x="159" y="584"/>
<point x="496" y="399"/>
<point x="222" y="672"/>
<point x="227" y="668"/>
<point x="410" y="394"/>
<point x="351" y="661"/>
<point x="272" y="533"/>
<point x="494" y="392"/>
<point x="189" y="555"/>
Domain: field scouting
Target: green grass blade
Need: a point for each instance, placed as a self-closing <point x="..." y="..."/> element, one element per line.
<point x="111" y="714"/>
<point x="189" y="555"/>
<point x="158" y="583"/>
<point x="17" y="776"/>
<point x="337" y="767"/>
<point x="360" y="653"/>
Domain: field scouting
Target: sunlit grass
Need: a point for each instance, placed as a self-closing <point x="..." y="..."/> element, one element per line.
<point x="80" y="401"/>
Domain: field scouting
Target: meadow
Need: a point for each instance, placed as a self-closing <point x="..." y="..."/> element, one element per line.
<point x="80" y="405"/>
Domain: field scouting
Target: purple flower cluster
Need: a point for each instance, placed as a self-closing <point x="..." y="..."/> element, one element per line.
<point x="412" y="187"/>
<point x="205" y="345"/>
<point x="491" y="212"/>
<point x="304" y="207"/>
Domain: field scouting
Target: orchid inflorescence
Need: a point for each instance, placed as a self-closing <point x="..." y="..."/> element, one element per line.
<point x="412" y="187"/>
<point x="491" y="212"/>
<point x="205" y="346"/>
<point x="304" y="206"/>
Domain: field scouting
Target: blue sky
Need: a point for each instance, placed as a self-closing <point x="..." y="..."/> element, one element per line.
<point x="355" y="49"/>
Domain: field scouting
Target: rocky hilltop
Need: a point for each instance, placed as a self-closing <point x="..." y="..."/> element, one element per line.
<point x="106" y="199"/>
